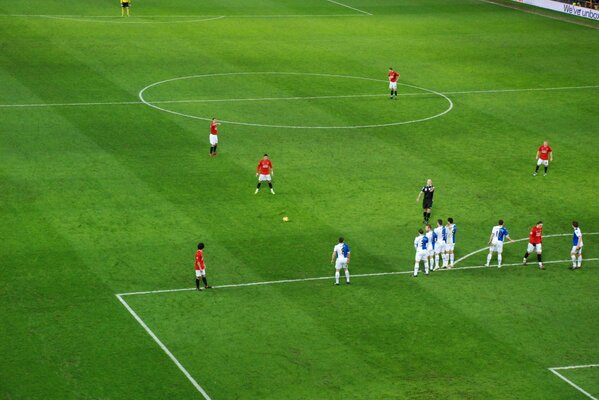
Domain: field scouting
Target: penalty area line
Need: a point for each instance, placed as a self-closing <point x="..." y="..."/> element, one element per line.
<point x="569" y="382"/>
<point x="275" y="282"/>
<point x="350" y="7"/>
<point x="163" y="347"/>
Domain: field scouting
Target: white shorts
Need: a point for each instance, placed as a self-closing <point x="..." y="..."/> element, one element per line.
<point x="341" y="263"/>
<point x="421" y="255"/>
<point x="430" y="251"/>
<point x="544" y="162"/>
<point x="497" y="247"/>
<point x="531" y="247"/>
<point x="574" y="251"/>
<point x="439" y="247"/>
<point x="213" y="139"/>
<point x="393" y="85"/>
<point x="263" y="178"/>
<point x="449" y="246"/>
<point x="200" y="272"/>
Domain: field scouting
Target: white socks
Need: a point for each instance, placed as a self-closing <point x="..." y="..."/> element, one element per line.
<point x="436" y="261"/>
<point x="416" y="267"/>
<point x="337" y="277"/>
<point x="580" y="261"/>
<point x="499" y="258"/>
<point x="451" y="258"/>
<point x="489" y="257"/>
<point x="346" y="276"/>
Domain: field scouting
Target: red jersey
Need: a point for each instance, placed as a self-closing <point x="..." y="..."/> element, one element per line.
<point x="393" y="76"/>
<point x="544" y="152"/>
<point x="200" y="260"/>
<point x="213" y="128"/>
<point x="536" y="235"/>
<point x="264" y="167"/>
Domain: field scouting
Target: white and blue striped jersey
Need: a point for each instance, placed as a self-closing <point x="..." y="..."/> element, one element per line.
<point x="499" y="233"/>
<point x="577" y="238"/>
<point x="341" y="250"/>
<point x="420" y="242"/>
<point x="441" y="233"/>
<point x="451" y="231"/>
<point x="432" y="239"/>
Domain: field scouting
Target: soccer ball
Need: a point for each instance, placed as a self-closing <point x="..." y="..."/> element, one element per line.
<point x="285" y="219"/>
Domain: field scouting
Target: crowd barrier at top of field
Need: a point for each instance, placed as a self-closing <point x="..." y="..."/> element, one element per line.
<point x="581" y="8"/>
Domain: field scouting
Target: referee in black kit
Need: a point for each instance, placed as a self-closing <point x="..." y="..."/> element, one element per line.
<point x="427" y="202"/>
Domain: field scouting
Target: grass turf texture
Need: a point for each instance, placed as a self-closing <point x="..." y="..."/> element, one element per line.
<point x="103" y="199"/>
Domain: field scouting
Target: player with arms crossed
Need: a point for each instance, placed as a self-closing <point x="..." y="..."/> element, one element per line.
<point x="441" y="233"/>
<point x="340" y="258"/>
<point x="393" y="77"/>
<point x="213" y="136"/>
<point x="430" y="246"/>
<point x="576" y="246"/>
<point x="498" y="236"/>
<point x="450" y="231"/>
<point x="427" y="202"/>
<point x="534" y="244"/>
<point x="544" y="155"/>
<point x="264" y="171"/>
<point x="201" y="268"/>
<point x="421" y="244"/>
<point x="125" y="5"/>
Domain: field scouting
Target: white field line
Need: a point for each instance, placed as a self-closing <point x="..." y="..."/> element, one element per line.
<point x="520" y="240"/>
<point x="330" y="277"/>
<point x="78" y="17"/>
<point x="540" y="14"/>
<point x="120" y="103"/>
<point x="350" y="7"/>
<point x="568" y="381"/>
<point x="164" y="348"/>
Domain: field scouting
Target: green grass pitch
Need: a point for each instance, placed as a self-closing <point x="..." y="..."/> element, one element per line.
<point x="102" y="194"/>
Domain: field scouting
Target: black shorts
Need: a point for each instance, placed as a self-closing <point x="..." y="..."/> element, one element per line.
<point x="125" y="5"/>
<point x="427" y="204"/>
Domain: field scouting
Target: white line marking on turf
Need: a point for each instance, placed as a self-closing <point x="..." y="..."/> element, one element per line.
<point x="73" y="17"/>
<point x="119" y="103"/>
<point x="330" y="277"/>
<point x="164" y="348"/>
<point x="575" y="386"/>
<point x="153" y="105"/>
<point x="524" y="10"/>
<point x="121" y="20"/>
<point x="350" y="7"/>
<point x="519" y="240"/>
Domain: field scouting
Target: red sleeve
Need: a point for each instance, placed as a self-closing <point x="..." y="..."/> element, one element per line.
<point x="550" y="149"/>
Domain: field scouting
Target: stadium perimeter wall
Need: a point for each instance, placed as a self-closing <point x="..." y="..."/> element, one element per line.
<point x="564" y="8"/>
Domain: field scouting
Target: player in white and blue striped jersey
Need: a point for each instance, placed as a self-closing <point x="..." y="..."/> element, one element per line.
<point x="441" y="233"/>
<point x="430" y="246"/>
<point x="421" y="245"/>
<point x="340" y="258"/>
<point x="576" y="252"/>
<point x="498" y="236"/>
<point x="450" y="230"/>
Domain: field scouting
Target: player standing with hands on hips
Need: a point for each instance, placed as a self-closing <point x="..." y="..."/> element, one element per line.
<point x="427" y="202"/>
<point x="125" y="5"/>
<point x="544" y="155"/>
<point x="340" y="258"/>
<point x="576" y="246"/>
<point x="535" y="244"/>
<point x="213" y="136"/>
<point x="393" y="77"/>
<point x="264" y="171"/>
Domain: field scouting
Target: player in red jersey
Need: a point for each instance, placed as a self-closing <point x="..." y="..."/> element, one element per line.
<point x="263" y="172"/>
<point x="213" y="136"/>
<point x="534" y="243"/>
<point x="393" y="76"/>
<point x="544" y="155"/>
<point x="201" y="268"/>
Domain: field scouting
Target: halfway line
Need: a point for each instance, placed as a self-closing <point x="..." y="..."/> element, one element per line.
<point x="119" y="103"/>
